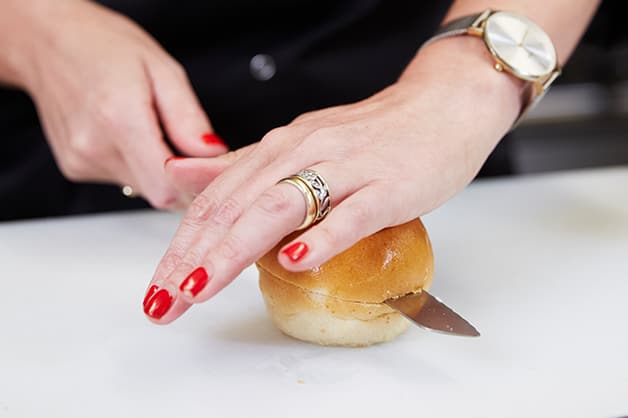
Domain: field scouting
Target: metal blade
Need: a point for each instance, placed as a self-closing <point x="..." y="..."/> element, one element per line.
<point x="429" y="312"/>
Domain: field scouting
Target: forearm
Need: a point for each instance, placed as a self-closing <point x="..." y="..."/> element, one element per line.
<point x="19" y="35"/>
<point x="491" y="98"/>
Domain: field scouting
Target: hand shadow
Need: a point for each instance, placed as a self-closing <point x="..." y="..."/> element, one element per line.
<point x="256" y="329"/>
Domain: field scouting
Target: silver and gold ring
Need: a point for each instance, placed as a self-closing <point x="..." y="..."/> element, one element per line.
<point x="315" y="191"/>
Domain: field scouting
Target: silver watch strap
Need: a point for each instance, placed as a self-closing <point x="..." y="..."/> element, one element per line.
<point x="458" y="26"/>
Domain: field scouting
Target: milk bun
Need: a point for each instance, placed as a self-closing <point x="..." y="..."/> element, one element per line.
<point x="340" y="302"/>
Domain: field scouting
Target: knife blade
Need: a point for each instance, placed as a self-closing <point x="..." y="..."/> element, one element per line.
<point x="430" y="313"/>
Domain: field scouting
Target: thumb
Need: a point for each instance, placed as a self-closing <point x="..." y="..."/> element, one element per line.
<point x="181" y="114"/>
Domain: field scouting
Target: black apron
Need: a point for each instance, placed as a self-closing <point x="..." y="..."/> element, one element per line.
<point x="310" y="55"/>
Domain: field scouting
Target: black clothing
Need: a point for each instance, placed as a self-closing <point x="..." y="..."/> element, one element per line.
<point x="325" y="53"/>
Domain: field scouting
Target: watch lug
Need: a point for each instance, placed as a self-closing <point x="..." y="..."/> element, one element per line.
<point x="477" y="27"/>
<point x="551" y="78"/>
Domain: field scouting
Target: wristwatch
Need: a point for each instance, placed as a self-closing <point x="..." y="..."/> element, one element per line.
<point x="518" y="46"/>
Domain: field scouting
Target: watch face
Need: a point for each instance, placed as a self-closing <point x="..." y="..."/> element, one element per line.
<point x="520" y="44"/>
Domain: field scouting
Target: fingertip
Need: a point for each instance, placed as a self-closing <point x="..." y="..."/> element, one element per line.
<point x="213" y="139"/>
<point x="296" y="256"/>
<point x="207" y="144"/>
<point x="157" y="302"/>
<point x="172" y="158"/>
<point x="194" y="283"/>
<point x="163" y="305"/>
<point x="193" y="175"/>
<point x="295" y="251"/>
<point x="182" y="116"/>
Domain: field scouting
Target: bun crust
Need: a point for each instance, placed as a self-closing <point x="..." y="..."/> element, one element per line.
<point x="340" y="303"/>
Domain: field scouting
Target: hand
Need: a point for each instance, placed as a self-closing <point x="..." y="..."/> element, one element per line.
<point x="102" y="87"/>
<point x="387" y="159"/>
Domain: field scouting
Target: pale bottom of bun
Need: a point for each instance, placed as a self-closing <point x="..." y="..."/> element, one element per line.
<point x="314" y="317"/>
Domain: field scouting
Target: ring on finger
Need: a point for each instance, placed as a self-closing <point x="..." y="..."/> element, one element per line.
<point x="310" y="200"/>
<point x="315" y="191"/>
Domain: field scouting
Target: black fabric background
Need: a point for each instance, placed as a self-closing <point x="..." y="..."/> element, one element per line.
<point x="327" y="53"/>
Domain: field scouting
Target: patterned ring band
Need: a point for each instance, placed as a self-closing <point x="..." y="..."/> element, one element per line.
<point x="317" y="189"/>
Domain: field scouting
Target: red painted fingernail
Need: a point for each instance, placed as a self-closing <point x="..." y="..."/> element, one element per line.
<point x="195" y="282"/>
<point x="159" y="304"/>
<point x="151" y="291"/>
<point x="173" y="158"/>
<point x="296" y="251"/>
<point x="212" y="139"/>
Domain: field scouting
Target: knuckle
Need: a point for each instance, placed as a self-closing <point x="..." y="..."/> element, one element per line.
<point x="204" y="209"/>
<point x="228" y="212"/>
<point x="200" y="210"/>
<point x="190" y="260"/>
<point x="328" y="236"/>
<point x="172" y="259"/>
<point x="274" y="202"/>
<point x="109" y="111"/>
<point x="179" y="261"/>
<point x="178" y="70"/>
<point x="303" y="117"/>
<point x="274" y="134"/>
<point x="359" y="216"/>
<point x="273" y="137"/>
<point x="233" y="249"/>
<point x="72" y="167"/>
<point x="85" y="148"/>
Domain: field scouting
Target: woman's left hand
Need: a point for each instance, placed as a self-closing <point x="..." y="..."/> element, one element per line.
<point x="387" y="159"/>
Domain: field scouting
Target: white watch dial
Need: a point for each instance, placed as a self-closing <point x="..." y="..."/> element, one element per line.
<point x="520" y="44"/>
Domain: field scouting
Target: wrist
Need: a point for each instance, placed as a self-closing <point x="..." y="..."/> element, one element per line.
<point x="22" y="31"/>
<point x="463" y="65"/>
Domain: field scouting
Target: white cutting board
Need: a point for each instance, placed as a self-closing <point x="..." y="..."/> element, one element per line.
<point x="539" y="264"/>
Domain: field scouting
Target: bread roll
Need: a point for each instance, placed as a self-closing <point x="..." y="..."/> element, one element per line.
<point x="340" y="302"/>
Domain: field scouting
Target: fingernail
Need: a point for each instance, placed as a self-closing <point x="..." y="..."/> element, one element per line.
<point x="296" y="251"/>
<point x="151" y="291"/>
<point x="173" y="158"/>
<point x="195" y="282"/>
<point x="158" y="304"/>
<point x="212" y="139"/>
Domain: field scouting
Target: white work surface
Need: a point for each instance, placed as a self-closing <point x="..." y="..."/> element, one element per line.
<point x="539" y="264"/>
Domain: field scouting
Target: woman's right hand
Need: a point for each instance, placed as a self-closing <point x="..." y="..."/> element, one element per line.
<point x="104" y="89"/>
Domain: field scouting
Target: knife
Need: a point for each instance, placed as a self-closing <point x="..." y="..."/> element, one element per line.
<point x="430" y="313"/>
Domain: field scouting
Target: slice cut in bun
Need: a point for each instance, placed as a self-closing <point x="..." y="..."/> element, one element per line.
<point x="340" y="302"/>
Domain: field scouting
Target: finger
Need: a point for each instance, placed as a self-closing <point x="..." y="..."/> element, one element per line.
<point x="193" y="175"/>
<point x="217" y="208"/>
<point x="276" y="213"/>
<point x="144" y="152"/>
<point x="194" y="274"/>
<point x="180" y="111"/>
<point x="162" y="303"/>
<point x="360" y="215"/>
<point x="214" y="211"/>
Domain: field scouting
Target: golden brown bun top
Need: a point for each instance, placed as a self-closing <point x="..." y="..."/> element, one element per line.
<point x="392" y="262"/>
